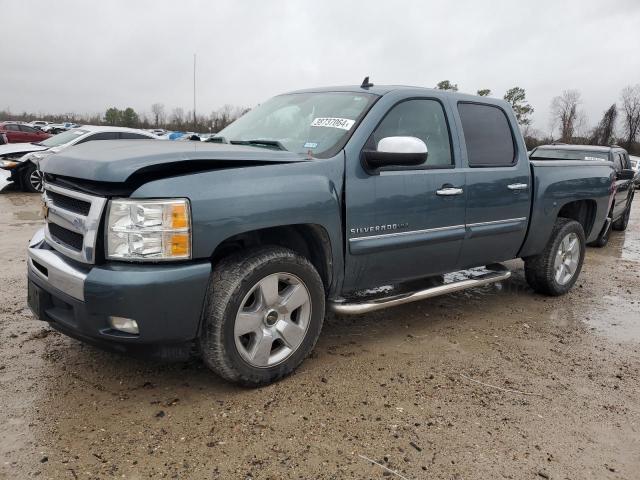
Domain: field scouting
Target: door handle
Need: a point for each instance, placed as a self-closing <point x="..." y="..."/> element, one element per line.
<point x="449" y="191"/>
<point x="518" y="186"/>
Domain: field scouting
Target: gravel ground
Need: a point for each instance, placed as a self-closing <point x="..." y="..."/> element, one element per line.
<point x="494" y="382"/>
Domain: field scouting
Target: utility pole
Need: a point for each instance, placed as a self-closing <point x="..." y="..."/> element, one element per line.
<point x="194" y="92"/>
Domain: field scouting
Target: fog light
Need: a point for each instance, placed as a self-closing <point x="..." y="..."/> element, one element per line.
<point x="124" y="324"/>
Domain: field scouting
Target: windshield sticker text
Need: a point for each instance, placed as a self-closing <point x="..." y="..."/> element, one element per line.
<point x="310" y="145"/>
<point x="342" y="123"/>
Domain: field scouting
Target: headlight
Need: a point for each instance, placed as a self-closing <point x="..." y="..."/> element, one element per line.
<point x="154" y="230"/>
<point x="8" y="164"/>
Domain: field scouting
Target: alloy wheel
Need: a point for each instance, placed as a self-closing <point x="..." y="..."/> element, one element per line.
<point x="273" y="319"/>
<point x="567" y="259"/>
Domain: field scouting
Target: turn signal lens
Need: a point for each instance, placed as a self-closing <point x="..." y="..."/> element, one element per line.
<point x="179" y="215"/>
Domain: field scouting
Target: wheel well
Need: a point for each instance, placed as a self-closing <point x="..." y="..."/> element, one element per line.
<point x="582" y="211"/>
<point x="309" y="241"/>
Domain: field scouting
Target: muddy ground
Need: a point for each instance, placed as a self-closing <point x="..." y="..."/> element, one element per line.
<point x="401" y="387"/>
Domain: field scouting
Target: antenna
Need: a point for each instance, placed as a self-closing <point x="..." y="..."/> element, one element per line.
<point x="366" y="83"/>
<point x="194" y="92"/>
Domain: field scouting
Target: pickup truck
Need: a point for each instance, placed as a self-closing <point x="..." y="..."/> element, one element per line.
<point x="623" y="189"/>
<point x="234" y="249"/>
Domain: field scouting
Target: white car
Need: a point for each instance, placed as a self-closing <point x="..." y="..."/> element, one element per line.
<point x="24" y="169"/>
<point x="39" y="124"/>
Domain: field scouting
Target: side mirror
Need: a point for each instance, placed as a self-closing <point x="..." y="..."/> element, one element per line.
<point x="396" y="152"/>
<point x="626" y="174"/>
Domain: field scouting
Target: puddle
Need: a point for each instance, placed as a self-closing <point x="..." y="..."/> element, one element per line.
<point x="617" y="319"/>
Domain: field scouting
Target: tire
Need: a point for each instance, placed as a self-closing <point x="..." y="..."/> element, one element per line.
<point x="32" y="180"/>
<point x="244" y="282"/>
<point x="621" y="224"/>
<point x="543" y="273"/>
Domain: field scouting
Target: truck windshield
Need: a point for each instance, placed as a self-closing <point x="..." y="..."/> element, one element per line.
<point x="561" y="154"/>
<point x="315" y="123"/>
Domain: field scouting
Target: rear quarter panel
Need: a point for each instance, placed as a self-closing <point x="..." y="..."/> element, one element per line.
<point x="557" y="183"/>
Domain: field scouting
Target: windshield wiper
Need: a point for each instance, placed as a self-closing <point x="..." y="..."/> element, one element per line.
<point x="273" y="144"/>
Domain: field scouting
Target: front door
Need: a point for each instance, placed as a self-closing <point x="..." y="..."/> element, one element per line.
<point x="498" y="182"/>
<point x="404" y="223"/>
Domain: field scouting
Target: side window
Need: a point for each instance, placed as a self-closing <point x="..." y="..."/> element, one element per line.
<point x="487" y="135"/>
<point x="100" y="136"/>
<point x="11" y="127"/>
<point x="133" y="136"/>
<point x="423" y="119"/>
<point x="619" y="162"/>
<point x="24" y="128"/>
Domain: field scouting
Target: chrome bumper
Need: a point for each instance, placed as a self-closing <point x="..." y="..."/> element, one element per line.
<point x="51" y="266"/>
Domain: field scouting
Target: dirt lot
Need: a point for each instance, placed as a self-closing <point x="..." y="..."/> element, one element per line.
<point x="559" y="397"/>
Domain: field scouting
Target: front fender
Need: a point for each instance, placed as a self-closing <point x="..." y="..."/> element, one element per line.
<point x="228" y="202"/>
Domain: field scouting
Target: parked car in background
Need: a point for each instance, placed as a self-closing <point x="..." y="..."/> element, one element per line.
<point x="623" y="189"/>
<point x="21" y="132"/>
<point x="54" y="128"/>
<point x="39" y="124"/>
<point x="233" y="249"/>
<point x="635" y="165"/>
<point x="24" y="170"/>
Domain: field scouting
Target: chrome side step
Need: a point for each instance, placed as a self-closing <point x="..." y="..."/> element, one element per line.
<point x="497" y="272"/>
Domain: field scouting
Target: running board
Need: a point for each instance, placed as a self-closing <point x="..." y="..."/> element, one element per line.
<point x="497" y="273"/>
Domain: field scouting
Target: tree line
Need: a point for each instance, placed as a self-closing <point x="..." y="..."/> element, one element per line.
<point x="177" y="119"/>
<point x="620" y="123"/>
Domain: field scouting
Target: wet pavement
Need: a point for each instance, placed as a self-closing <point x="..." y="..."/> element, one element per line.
<point x="495" y="382"/>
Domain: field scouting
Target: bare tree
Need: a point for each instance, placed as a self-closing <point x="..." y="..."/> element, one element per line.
<point x="564" y="112"/>
<point x="158" y="114"/>
<point x="177" y="118"/>
<point x="603" y="133"/>
<point x="630" y="97"/>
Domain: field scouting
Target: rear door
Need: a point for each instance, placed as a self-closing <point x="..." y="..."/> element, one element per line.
<point x="30" y="134"/>
<point x="404" y="222"/>
<point x="14" y="134"/>
<point x="498" y="184"/>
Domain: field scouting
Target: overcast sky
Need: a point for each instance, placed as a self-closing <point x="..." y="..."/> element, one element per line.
<point x="84" y="56"/>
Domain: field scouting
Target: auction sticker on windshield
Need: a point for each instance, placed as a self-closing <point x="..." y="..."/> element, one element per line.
<point x="343" y="123"/>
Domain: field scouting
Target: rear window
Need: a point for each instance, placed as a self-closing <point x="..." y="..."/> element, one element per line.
<point x="487" y="135"/>
<point x="565" y="154"/>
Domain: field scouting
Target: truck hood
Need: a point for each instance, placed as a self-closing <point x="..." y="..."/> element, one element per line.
<point x="19" y="148"/>
<point x="122" y="161"/>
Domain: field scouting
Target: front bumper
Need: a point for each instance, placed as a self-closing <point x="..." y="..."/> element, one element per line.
<point x="165" y="300"/>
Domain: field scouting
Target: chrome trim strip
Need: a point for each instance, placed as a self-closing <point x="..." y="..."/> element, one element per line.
<point x="344" y="308"/>
<point x="497" y="222"/>
<point x="402" y="234"/>
<point x="60" y="274"/>
<point x="87" y="226"/>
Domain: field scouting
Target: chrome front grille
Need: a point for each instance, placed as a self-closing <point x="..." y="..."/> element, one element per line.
<point x="72" y="222"/>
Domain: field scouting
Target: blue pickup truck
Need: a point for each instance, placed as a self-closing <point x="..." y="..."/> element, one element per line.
<point x="234" y="249"/>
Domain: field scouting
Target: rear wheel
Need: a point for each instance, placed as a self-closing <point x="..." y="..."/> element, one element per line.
<point x="264" y="313"/>
<point x="32" y="179"/>
<point x="556" y="269"/>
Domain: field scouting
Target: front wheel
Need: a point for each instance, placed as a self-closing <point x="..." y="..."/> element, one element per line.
<point x="555" y="270"/>
<point x="32" y="179"/>
<point x="263" y="315"/>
